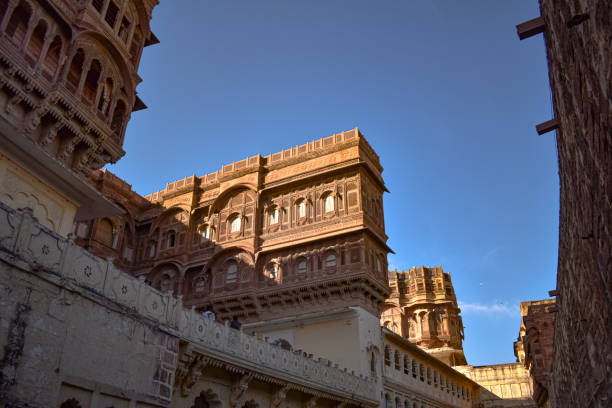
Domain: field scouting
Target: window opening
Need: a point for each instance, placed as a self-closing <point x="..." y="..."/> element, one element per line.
<point x="232" y="273"/>
<point x="124" y="29"/>
<point x="52" y="58"/>
<point x="91" y="81"/>
<point x="302" y="209"/>
<point x="118" y="117"/>
<point x="272" y="271"/>
<point x="171" y="239"/>
<point x="199" y="285"/>
<point x="273" y="219"/>
<point x="329" y="203"/>
<point x="98" y="5"/>
<point x="76" y="69"/>
<point x="36" y="42"/>
<point x="235" y="225"/>
<point x="302" y="266"/>
<point x="111" y="14"/>
<point x="17" y="26"/>
<point x="330" y="261"/>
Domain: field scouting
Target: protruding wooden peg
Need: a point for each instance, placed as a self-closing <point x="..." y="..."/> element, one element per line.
<point x="530" y="28"/>
<point x="547" y="126"/>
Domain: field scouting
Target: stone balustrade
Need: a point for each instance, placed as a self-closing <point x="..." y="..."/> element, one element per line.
<point x="419" y="376"/>
<point x="223" y="342"/>
<point x="32" y="247"/>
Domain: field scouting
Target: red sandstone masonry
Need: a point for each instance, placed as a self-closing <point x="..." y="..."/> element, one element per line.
<point x="580" y="69"/>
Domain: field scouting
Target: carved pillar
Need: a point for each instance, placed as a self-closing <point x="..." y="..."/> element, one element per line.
<point x="43" y="52"/>
<point x="84" y="72"/>
<point x="31" y="25"/>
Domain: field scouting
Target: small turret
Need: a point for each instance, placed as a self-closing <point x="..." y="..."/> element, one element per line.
<point x="423" y="309"/>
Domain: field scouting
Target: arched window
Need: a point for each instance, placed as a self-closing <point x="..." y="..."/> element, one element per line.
<point x="397" y="360"/>
<point x="301" y="209"/>
<point x="171" y="239"/>
<point x="329" y="203"/>
<point x="302" y="266"/>
<point x="205" y="233"/>
<point x="373" y="362"/>
<point x="111" y="14"/>
<point x="76" y="69"/>
<point x="235" y="224"/>
<point x="37" y="39"/>
<point x="17" y="26"/>
<point x="378" y="265"/>
<point x="199" y="285"/>
<point x="52" y="58"/>
<point x="387" y="355"/>
<point x="90" y="88"/>
<point x="104" y="232"/>
<point x="273" y="216"/>
<point x="406" y="365"/>
<point x="151" y="249"/>
<point x="124" y="28"/>
<point x="118" y="117"/>
<point x="231" y="272"/>
<point x="330" y="261"/>
<point x="271" y="271"/>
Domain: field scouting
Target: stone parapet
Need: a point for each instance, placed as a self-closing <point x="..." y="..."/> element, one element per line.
<point x="273" y="161"/>
<point x="31" y="247"/>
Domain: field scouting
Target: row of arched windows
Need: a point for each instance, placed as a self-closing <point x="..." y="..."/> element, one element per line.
<point x="44" y="48"/>
<point x="113" y="11"/>
<point x="98" y="89"/>
<point x="400" y="402"/>
<point x="403" y="363"/>
<point x="41" y="40"/>
<point x="301" y="209"/>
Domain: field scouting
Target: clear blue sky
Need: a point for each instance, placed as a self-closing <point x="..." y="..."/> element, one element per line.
<point x="444" y="91"/>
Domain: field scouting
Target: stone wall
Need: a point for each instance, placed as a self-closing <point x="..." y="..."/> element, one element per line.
<point x="62" y="340"/>
<point x="578" y="41"/>
<point x="74" y="326"/>
<point x="505" y="385"/>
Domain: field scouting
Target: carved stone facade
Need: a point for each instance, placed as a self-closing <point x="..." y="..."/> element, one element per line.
<point x="423" y="308"/>
<point x="298" y="231"/>
<point x="578" y="35"/>
<point x="68" y="76"/>
<point x="534" y="347"/>
<point x="79" y="331"/>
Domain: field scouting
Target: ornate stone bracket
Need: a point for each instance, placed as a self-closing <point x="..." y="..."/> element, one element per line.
<point x="312" y="402"/>
<point x="239" y="388"/>
<point x="189" y="372"/>
<point x="279" y="396"/>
